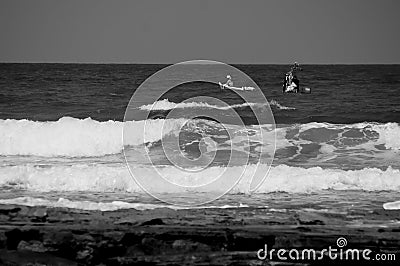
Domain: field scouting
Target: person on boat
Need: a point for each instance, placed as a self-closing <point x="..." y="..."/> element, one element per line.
<point x="286" y="81"/>
<point x="229" y="82"/>
<point x="295" y="67"/>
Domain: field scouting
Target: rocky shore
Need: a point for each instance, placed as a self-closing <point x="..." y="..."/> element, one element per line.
<point x="60" y="236"/>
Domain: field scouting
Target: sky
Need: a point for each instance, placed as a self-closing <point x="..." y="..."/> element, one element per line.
<point x="171" y="31"/>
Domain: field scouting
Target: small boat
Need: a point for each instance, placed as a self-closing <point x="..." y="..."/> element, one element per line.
<point x="305" y="90"/>
<point x="224" y="86"/>
<point x="294" y="87"/>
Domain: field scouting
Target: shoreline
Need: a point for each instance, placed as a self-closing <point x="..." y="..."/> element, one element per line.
<point x="61" y="236"/>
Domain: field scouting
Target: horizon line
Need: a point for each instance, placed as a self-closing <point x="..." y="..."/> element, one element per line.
<point x="165" y="63"/>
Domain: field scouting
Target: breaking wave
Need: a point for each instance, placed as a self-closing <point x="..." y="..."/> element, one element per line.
<point x="167" y="105"/>
<point x="116" y="178"/>
<point x="71" y="137"/>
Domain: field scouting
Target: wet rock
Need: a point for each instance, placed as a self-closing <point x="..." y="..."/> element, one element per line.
<point x="84" y="238"/>
<point x="108" y="248"/>
<point x="239" y="241"/>
<point x="32" y="258"/>
<point x="150" y="245"/>
<point x="39" y="215"/>
<point x="85" y="254"/>
<point x="189" y="246"/>
<point x="14" y="236"/>
<point x="156" y="221"/>
<point x="131" y="238"/>
<point x="9" y="210"/>
<point x="134" y="251"/>
<point x="34" y="245"/>
<point x="306" y="218"/>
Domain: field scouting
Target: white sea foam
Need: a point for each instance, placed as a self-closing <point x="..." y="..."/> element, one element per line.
<point x="395" y="205"/>
<point x="389" y="134"/>
<point x="103" y="206"/>
<point x="280" y="106"/>
<point x="78" y="137"/>
<point x="167" y="105"/>
<point x="115" y="177"/>
<point x="71" y="137"/>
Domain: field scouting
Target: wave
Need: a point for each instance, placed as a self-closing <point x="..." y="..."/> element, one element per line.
<point x="278" y="105"/>
<point x="165" y="105"/>
<point x="72" y="137"/>
<point x="385" y="134"/>
<point x="116" y="178"/>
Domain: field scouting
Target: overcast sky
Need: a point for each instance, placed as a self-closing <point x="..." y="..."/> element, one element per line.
<point x="169" y="31"/>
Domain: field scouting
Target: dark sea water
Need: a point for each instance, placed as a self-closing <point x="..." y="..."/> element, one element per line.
<point x="340" y="93"/>
<point x="61" y="128"/>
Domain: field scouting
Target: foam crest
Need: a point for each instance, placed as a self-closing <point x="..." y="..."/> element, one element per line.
<point x="71" y="137"/>
<point x="115" y="177"/>
<point x="395" y="205"/>
<point x="78" y="137"/>
<point x="167" y="105"/>
<point x="280" y="106"/>
<point x="103" y="206"/>
<point x="389" y="134"/>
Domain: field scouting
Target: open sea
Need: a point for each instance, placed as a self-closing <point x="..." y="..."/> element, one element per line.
<point x="61" y="128"/>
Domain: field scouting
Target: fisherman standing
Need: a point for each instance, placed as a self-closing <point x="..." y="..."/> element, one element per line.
<point x="291" y="82"/>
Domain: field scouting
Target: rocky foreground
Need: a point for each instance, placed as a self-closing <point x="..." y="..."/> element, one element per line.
<point x="58" y="236"/>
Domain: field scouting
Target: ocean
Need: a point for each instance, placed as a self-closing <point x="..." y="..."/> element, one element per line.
<point x="61" y="128"/>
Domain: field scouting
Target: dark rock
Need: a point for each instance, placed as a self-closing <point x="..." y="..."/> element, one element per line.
<point x="33" y="245"/>
<point x="108" y="248"/>
<point x="133" y="251"/>
<point x="189" y="246"/>
<point x="32" y="258"/>
<point x="13" y="238"/>
<point x="241" y="241"/>
<point x="9" y="210"/>
<point x="306" y="218"/>
<point x="156" y="221"/>
<point x="151" y="245"/>
<point x="40" y="215"/>
<point x="130" y="239"/>
<point x="85" y="255"/>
